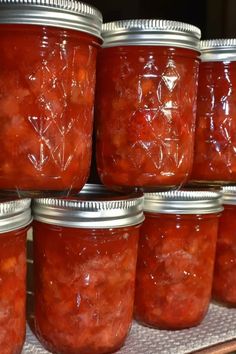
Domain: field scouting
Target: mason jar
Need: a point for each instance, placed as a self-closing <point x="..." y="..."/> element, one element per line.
<point x="224" y="287"/>
<point x="48" y="59"/>
<point x="15" y="217"/>
<point x="215" y="140"/>
<point x="85" y="252"/>
<point x="176" y="258"/>
<point x="146" y="103"/>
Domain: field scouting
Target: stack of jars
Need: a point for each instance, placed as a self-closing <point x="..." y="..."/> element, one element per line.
<point x="214" y="164"/>
<point x="92" y="269"/>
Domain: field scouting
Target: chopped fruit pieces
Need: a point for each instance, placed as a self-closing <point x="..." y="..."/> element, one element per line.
<point x="145" y="111"/>
<point x="46" y="107"/>
<point x="215" y="142"/>
<point x="175" y="269"/>
<point x="84" y="287"/>
<point x="8" y="265"/>
<point x="13" y="291"/>
<point x="224" y="284"/>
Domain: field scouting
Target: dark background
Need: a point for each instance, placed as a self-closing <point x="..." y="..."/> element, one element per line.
<point x="216" y="18"/>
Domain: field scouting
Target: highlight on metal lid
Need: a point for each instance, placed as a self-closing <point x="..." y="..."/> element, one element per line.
<point x="94" y="207"/>
<point x="69" y="14"/>
<point x="218" y="49"/>
<point x="229" y="195"/>
<point x="14" y="214"/>
<point x="151" y="32"/>
<point x="183" y="202"/>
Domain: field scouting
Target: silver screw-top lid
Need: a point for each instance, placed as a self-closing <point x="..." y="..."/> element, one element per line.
<point x="151" y="32"/>
<point x="14" y="214"/>
<point x="218" y="49"/>
<point x="70" y="14"/>
<point x="183" y="202"/>
<point x="229" y="195"/>
<point x="95" y="207"/>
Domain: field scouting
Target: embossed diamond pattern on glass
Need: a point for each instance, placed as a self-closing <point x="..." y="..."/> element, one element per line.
<point x="145" y="117"/>
<point x="215" y="144"/>
<point x="46" y="108"/>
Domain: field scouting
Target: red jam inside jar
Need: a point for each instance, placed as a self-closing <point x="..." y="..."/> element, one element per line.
<point x="175" y="269"/>
<point x="145" y="112"/>
<point x="13" y="291"/>
<point x="47" y="84"/>
<point x="224" y="286"/>
<point x="215" y="141"/>
<point x="84" y="287"/>
<point x="13" y="276"/>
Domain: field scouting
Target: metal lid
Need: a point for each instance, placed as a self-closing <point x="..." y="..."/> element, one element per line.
<point x="69" y="14"/>
<point x="218" y="49"/>
<point x="14" y="214"/>
<point x="95" y="207"/>
<point x="229" y="195"/>
<point x="151" y="32"/>
<point x="183" y="202"/>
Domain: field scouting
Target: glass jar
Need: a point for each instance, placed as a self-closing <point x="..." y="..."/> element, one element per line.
<point x="215" y="142"/>
<point x="47" y="79"/>
<point x="85" y="253"/>
<point x="146" y="101"/>
<point x="15" y="217"/>
<point x="176" y="258"/>
<point x="224" y="285"/>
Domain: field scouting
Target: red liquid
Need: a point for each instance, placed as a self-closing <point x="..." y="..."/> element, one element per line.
<point x="175" y="269"/>
<point x="84" y="287"/>
<point x="215" y="143"/>
<point x="12" y="291"/>
<point x="47" y="80"/>
<point x="146" y="102"/>
<point x="224" y="282"/>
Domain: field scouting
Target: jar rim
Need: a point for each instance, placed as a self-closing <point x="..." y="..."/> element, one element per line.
<point x="155" y="32"/>
<point x="67" y="14"/>
<point x="94" y="207"/>
<point x="14" y="214"/>
<point x="229" y="195"/>
<point x="223" y="49"/>
<point x="183" y="202"/>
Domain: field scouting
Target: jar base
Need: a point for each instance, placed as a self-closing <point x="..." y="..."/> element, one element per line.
<point x="19" y="193"/>
<point x="224" y="303"/>
<point x="208" y="184"/>
<point x="145" y="189"/>
<point x="51" y="348"/>
<point x="166" y="327"/>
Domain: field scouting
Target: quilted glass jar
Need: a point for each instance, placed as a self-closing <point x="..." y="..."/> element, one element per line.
<point x="215" y="143"/>
<point x="15" y="217"/>
<point x="146" y="103"/>
<point x="224" y="282"/>
<point x="176" y="258"/>
<point x="85" y="253"/>
<point x="47" y="79"/>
